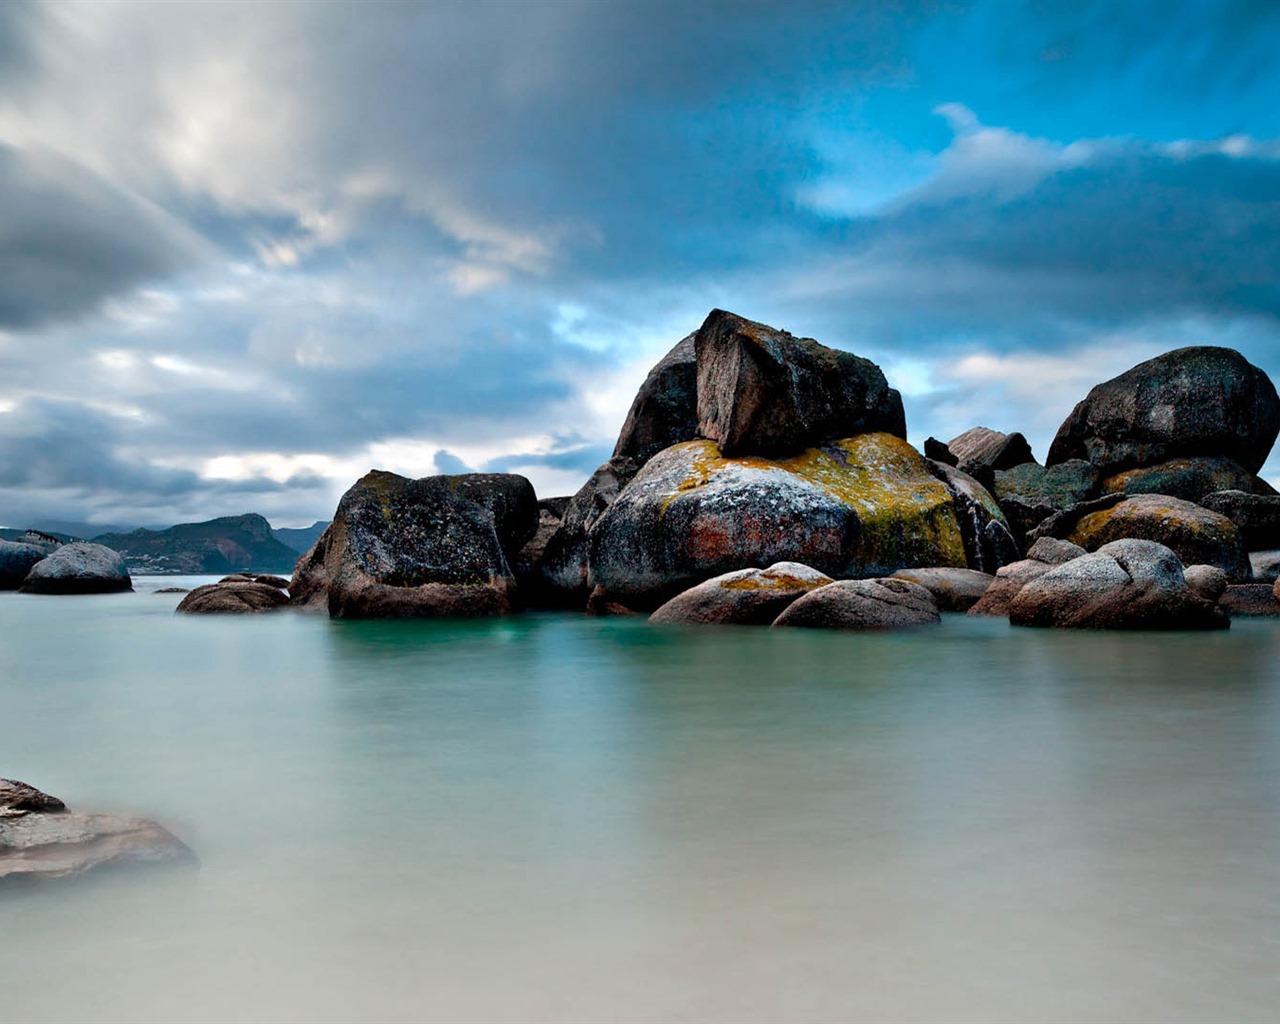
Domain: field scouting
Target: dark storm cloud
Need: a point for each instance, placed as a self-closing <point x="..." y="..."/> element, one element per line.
<point x="68" y="240"/>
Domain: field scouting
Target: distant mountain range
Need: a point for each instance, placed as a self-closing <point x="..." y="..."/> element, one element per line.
<point x="229" y="544"/>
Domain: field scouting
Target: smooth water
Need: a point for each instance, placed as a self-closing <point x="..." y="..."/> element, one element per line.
<point x="561" y="818"/>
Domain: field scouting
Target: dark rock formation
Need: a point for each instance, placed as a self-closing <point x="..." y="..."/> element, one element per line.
<point x="16" y="560"/>
<point x="228" y="544"/>
<point x="272" y="581"/>
<point x="954" y="590"/>
<point x="508" y="497"/>
<point x="1195" y="534"/>
<point x="1127" y="584"/>
<point x="762" y="391"/>
<point x="1199" y="401"/>
<point x="40" y="839"/>
<point x="863" y="605"/>
<point x="866" y="505"/>
<point x="234" y="598"/>
<point x="747" y="597"/>
<point x="665" y="409"/>
<point x="1186" y="478"/>
<point x="1028" y="494"/>
<point x="981" y="448"/>
<point x="1257" y="516"/>
<point x="400" y="548"/>
<point x="1250" y="600"/>
<point x="525" y="565"/>
<point x="988" y="541"/>
<point x="79" y="568"/>
<point x="939" y="452"/>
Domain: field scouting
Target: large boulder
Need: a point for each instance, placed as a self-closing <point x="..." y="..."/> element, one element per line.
<point x="1186" y="478"/>
<point x="762" y="391"/>
<point x="1195" y="534"/>
<point x="508" y="497"/>
<point x="1127" y="584"/>
<point x="981" y="448"/>
<point x="988" y="541"/>
<point x="400" y="548"/>
<point x="16" y="560"/>
<point x="1257" y="516"/>
<point x="953" y="590"/>
<point x="1009" y="580"/>
<point x="234" y="597"/>
<point x="1200" y="401"/>
<point x="863" y="506"/>
<point x="747" y="597"/>
<point x="562" y="566"/>
<point x="665" y="409"/>
<point x="877" y="604"/>
<point x="40" y="839"/>
<point x="78" y="568"/>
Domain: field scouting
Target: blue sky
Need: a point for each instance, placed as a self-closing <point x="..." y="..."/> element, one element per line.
<point x="248" y="252"/>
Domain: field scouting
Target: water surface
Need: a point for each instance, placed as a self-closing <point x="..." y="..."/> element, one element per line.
<point x="561" y="818"/>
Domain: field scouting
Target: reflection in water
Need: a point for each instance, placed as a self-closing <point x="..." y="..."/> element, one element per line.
<point x="563" y="818"/>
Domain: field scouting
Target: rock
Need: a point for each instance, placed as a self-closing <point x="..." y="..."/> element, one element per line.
<point x="762" y="391"/>
<point x="863" y="506"/>
<point x="78" y="568"/>
<point x="1208" y="581"/>
<point x="1265" y="565"/>
<point x="984" y="448"/>
<point x="525" y="565"/>
<point x="508" y="497"/>
<point x="237" y="577"/>
<point x="272" y="581"/>
<point x="16" y="560"/>
<point x="562" y="569"/>
<point x="939" y="452"/>
<point x="665" y="409"/>
<point x="746" y="597"/>
<point x="400" y="548"/>
<point x="235" y="597"/>
<point x="1250" y="600"/>
<point x="1053" y="551"/>
<point x="1028" y="494"/>
<point x="1127" y="584"/>
<point x="1008" y="582"/>
<point x="988" y="542"/>
<point x="953" y="590"/>
<point x="40" y="839"/>
<point x="1195" y="534"/>
<point x="46" y="542"/>
<point x="877" y="604"/>
<point x="1257" y="516"/>
<point x="600" y="605"/>
<point x="1199" y="401"/>
<point x="1188" y="479"/>
<point x="173" y="590"/>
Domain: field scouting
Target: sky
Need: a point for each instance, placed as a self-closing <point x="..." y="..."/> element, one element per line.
<point x="249" y="252"/>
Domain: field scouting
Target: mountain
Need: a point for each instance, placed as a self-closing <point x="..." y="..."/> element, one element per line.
<point x="302" y="540"/>
<point x="229" y="544"/>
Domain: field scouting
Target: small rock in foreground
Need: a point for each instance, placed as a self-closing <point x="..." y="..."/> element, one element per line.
<point x="234" y="597"/>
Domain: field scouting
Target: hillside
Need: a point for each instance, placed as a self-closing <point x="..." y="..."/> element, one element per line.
<point x="224" y="545"/>
<point x="303" y="539"/>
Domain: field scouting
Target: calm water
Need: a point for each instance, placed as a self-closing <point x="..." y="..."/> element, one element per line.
<point x="557" y="818"/>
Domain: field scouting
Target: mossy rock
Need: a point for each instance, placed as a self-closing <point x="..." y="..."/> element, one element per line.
<point x="1188" y="478"/>
<point x="863" y="506"/>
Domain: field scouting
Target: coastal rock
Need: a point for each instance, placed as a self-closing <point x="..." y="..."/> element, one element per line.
<point x="562" y="569"/>
<point x="1257" y="516"/>
<point x="1186" y="478"/>
<point x="1127" y="584"/>
<point x="1199" y="401"/>
<point x="981" y="448"/>
<point x="78" y="568"/>
<point x="16" y="560"/>
<point x="762" y="391"/>
<point x="1053" y="551"/>
<point x="1265" y="565"/>
<point x="1195" y="534"/>
<point x="665" y="409"/>
<point x="953" y="590"/>
<point x="525" y="565"/>
<point x="939" y="452"/>
<point x="863" y="506"/>
<point x="988" y="542"/>
<point x="400" y="548"/>
<point x="1009" y="581"/>
<point x="1208" y="581"/>
<point x="234" y="598"/>
<point x="876" y="604"/>
<point x="1028" y="494"/>
<point x="40" y="839"/>
<point x="508" y="497"/>
<point x="1250" y="600"/>
<point x="744" y="597"/>
<point x="272" y="581"/>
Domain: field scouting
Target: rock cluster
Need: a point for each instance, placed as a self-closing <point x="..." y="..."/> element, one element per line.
<point x="78" y="568"/>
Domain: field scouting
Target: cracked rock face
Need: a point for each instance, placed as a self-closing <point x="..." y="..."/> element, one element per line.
<point x="40" y="839"/>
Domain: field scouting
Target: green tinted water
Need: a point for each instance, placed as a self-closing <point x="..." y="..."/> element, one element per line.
<point x="559" y="818"/>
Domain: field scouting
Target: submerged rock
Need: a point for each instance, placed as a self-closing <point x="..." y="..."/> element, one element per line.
<point x="866" y="505"/>
<point x="879" y="604"/>
<point x="1250" y="600"/>
<point x="745" y="597"/>
<point x="1127" y="584"/>
<point x="234" y="598"/>
<point x="1199" y="401"/>
<point x="16" y="560"/>
<point x="79" y="568"/>
<point x="40" y="839"/>
<point x="762" y="391"/>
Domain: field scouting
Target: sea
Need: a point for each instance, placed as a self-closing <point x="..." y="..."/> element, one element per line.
<point x="559" y="818"/>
